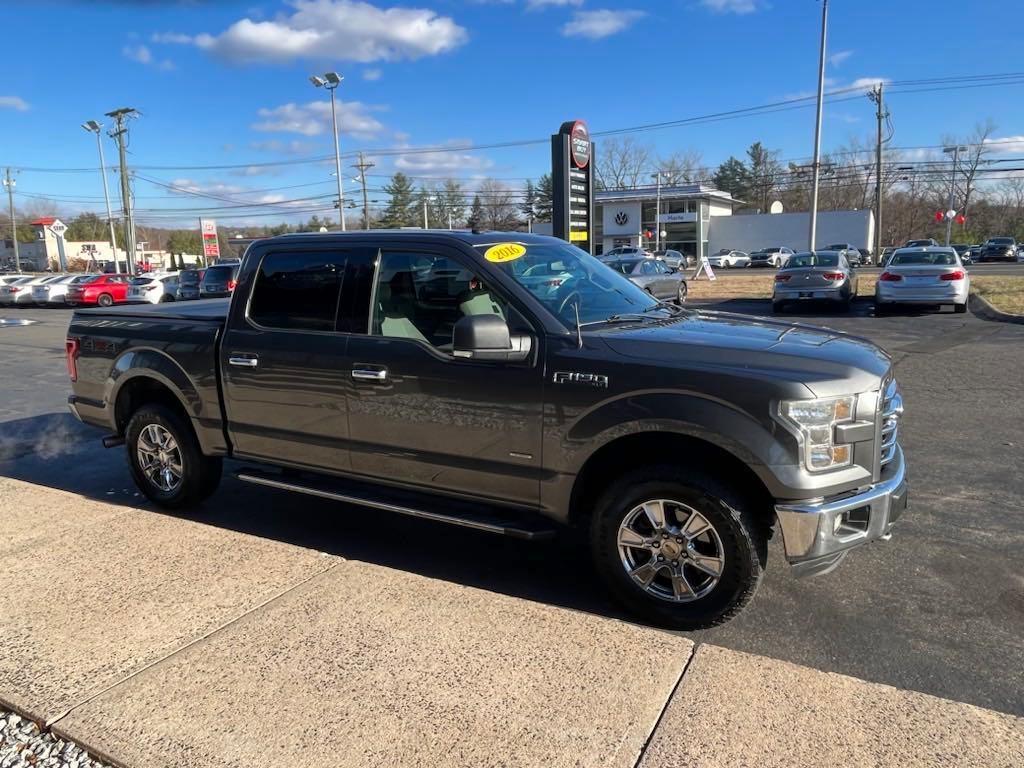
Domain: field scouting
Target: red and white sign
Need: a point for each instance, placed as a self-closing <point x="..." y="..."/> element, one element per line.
<point x="211" y="247"/>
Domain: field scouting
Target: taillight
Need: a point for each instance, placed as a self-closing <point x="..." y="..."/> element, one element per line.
<point x="957" y="275"/>
<point x="71" y="354"/>
<point x="231" y="285"/>
<point x="833" y="276"/>
<point x="889" y="277"/>
<point x="14" y="289"/>
<point x="781" y="278"/>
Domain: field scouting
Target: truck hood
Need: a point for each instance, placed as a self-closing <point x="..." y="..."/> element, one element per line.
<point x="827" y="362"/>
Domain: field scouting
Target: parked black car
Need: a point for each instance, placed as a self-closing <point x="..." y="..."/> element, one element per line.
<point x="219" y="280"/>
<point x="188" y="284"/>
<point x="420" y="373"/>
<point x="963" y="251"/>
<point x="999" y="249"/>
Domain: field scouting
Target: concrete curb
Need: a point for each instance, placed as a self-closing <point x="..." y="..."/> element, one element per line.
<point x="981" y="307"/>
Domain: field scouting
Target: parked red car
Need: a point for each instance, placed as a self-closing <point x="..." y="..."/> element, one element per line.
<point x="103" y="290"/>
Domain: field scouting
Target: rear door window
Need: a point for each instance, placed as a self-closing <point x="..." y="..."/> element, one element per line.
<point x="297" y="290"/>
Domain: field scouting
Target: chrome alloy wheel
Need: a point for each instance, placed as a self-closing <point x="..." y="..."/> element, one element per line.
<point x="670" y="550"/>
<point x="159" y="457"/>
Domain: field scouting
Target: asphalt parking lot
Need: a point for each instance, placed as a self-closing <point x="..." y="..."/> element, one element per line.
<point x="939" y="609"/>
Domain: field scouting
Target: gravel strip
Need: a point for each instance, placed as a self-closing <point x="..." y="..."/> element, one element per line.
<point x="22" y="745"/>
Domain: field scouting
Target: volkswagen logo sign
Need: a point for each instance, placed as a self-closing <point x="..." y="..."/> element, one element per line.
<point x="622" y="218"/>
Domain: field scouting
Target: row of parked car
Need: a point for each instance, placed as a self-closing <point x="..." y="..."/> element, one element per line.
<point x="104" y="290"/>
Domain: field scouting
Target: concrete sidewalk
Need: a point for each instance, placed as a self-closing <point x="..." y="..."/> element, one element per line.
<point x="158" y="641"/>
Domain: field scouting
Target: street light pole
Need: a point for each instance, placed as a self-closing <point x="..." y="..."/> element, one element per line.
<point x="657" y="214"/>
<point x="813" y="235"/>
<point x="93" y="127"/>
<point x="330" y="81"/>
<point x="955" y="151"/>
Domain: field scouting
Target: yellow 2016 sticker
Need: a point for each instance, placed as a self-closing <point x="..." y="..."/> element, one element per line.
<point x="503" y="252"/>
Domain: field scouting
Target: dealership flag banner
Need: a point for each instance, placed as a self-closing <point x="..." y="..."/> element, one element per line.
<point x="211" y="248"/>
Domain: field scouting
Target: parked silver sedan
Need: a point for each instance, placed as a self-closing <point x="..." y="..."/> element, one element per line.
<point x="817" y="276"/>
<point x="654" y="276"/>
<point x="929" y="275"/>
<point x="20" y="291"/>
<point x="52" y="293"/>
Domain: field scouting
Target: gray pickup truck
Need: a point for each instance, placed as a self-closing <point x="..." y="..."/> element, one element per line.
<point x="513" y="384"/>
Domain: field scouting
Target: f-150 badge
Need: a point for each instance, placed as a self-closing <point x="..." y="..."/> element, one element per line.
<point x="586" y="379"/>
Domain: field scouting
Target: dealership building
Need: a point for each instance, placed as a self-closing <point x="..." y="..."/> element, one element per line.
<point x="698" y="219"/>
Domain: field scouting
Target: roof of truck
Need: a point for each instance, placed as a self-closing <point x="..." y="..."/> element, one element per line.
<point x="464" y="235"/>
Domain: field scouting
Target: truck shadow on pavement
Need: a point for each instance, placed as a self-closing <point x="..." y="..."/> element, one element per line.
<point x="56" y="451"/>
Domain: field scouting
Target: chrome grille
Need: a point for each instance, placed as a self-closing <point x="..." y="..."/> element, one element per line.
<point x="892" y="409"/>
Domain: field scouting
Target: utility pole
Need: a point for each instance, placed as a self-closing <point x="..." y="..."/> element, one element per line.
<point x="881" y="114"/>
<point x="363" y="167"/>
<point x="426" y="219"/>
<point x="813" y="235"/>
<point x="952" y="187"/>
<point x="9" y="183"/>
<point x="93" y="127"/>
<point x="120" y="135"/>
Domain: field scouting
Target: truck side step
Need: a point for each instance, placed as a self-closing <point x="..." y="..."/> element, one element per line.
<point x="455" y="511"/>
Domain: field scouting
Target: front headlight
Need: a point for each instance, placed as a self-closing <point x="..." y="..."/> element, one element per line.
<point x="814" y="423"/>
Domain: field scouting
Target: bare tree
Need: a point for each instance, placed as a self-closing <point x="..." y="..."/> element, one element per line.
<point x="500" y="211"/>
<point x="970" y="163"/>
<point x="683" y="167"/>
<point x="622" y="163"/>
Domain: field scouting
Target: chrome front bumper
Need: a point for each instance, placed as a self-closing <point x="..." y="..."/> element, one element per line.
<point x="817" y="534"/>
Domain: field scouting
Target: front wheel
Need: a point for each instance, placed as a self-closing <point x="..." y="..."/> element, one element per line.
<point x="105" y="300"/>
<point x="677" y="548"/>
<point x="166" y="461"/>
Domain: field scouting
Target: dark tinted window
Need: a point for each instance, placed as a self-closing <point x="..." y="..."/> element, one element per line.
<point x="220" y="274"/>
<point x="296" y="291"/>
<point x="189" y="277"/>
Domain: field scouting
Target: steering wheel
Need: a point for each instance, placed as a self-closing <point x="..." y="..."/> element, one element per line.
<point x="567" y="302"/>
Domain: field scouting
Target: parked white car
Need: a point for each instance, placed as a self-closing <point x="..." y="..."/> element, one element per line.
<point x="8" y="279"/>
<point x="929" y="275"/>
<point x="153" y="289"/>
<point x="52" y="293"/>
<point x="729" y="259"/>
<point x="20" y="291"/>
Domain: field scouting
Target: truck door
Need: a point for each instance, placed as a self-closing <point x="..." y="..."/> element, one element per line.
<point x="417" y="414"/>
<point x="283" y="359"/>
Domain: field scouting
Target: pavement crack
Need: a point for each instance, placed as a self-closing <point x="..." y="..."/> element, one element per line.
<point x="664" y="709"/>
<point x="61" y="715"/>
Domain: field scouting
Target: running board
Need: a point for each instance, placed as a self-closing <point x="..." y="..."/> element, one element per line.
<point x="469" y="515"/>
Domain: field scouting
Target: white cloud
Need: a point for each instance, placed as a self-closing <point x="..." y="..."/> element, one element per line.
<point x="867" y="82"/>
<point x="14" y="102"/>
<point x="537" y="4"/>
<point x="139" y="53"/>
<point x="837" y="58"/>
<point x="732" y="6"/>
<point x="442" y="163"/>
<point x="1006" y="144"/>
<point x="314" y="118"/>
<point x="174" y="38"/>
<point x="270" y="198"/>
<point x="188" y="186"/>
<point x="371" y="74"/>
<point x="347" y="30"/>
<point x="595" y="25"/>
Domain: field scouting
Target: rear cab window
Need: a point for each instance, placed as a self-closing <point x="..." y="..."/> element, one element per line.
<point x="296" y="290"/>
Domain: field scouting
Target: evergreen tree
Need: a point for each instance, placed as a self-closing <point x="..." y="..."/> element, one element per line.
<point x="529" y="205"/>
<point x="733" y="177"/>
<point x="764" y="170"/>
<point x="477" y="215"/>
<point x="544" y="194"/>
<point x="453" y="202"/>
<point x="401" y="208"/>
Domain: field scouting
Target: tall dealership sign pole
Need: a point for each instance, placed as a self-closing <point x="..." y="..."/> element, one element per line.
<point x="572" y="177"/>
<point x="813" y="236"/>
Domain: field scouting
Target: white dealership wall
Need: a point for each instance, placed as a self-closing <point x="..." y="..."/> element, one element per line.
<point x="751" y="232"/>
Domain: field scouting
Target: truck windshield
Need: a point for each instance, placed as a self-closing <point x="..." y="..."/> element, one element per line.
<point x="562" y="276"/>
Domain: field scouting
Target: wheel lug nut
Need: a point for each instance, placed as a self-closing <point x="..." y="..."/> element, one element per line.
<point x="660" y="558"/>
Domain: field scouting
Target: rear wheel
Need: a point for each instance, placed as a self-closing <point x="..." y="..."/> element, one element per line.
<point x="960" y="308"/>
<point x="778" y="307"/>
<point x="677" y="547"/>
<point x="166" y="461"/>
<point x="681" y="292"/>
<point x="105" y="300"/>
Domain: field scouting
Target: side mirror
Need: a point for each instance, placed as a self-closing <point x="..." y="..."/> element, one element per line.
<point x="487" y="337"/>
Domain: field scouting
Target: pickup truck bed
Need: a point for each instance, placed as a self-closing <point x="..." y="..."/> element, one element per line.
<point x="213" y="310"/>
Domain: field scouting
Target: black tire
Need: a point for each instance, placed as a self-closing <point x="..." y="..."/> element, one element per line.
<point x="741" y="537"/>
<point x="200" y="474"/>
<point x="681" y="292"/>
<point x="105" y="300"/>
<point x="881" y="309"/>
<point x="778" y="307"/>
<point x="960" y="308"/>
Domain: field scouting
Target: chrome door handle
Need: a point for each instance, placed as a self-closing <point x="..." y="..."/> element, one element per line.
<point x="246" y="361"/>
<point x="363" y="374"/>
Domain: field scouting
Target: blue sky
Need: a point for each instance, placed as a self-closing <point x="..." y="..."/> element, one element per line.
<point x="225" y="83"/>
